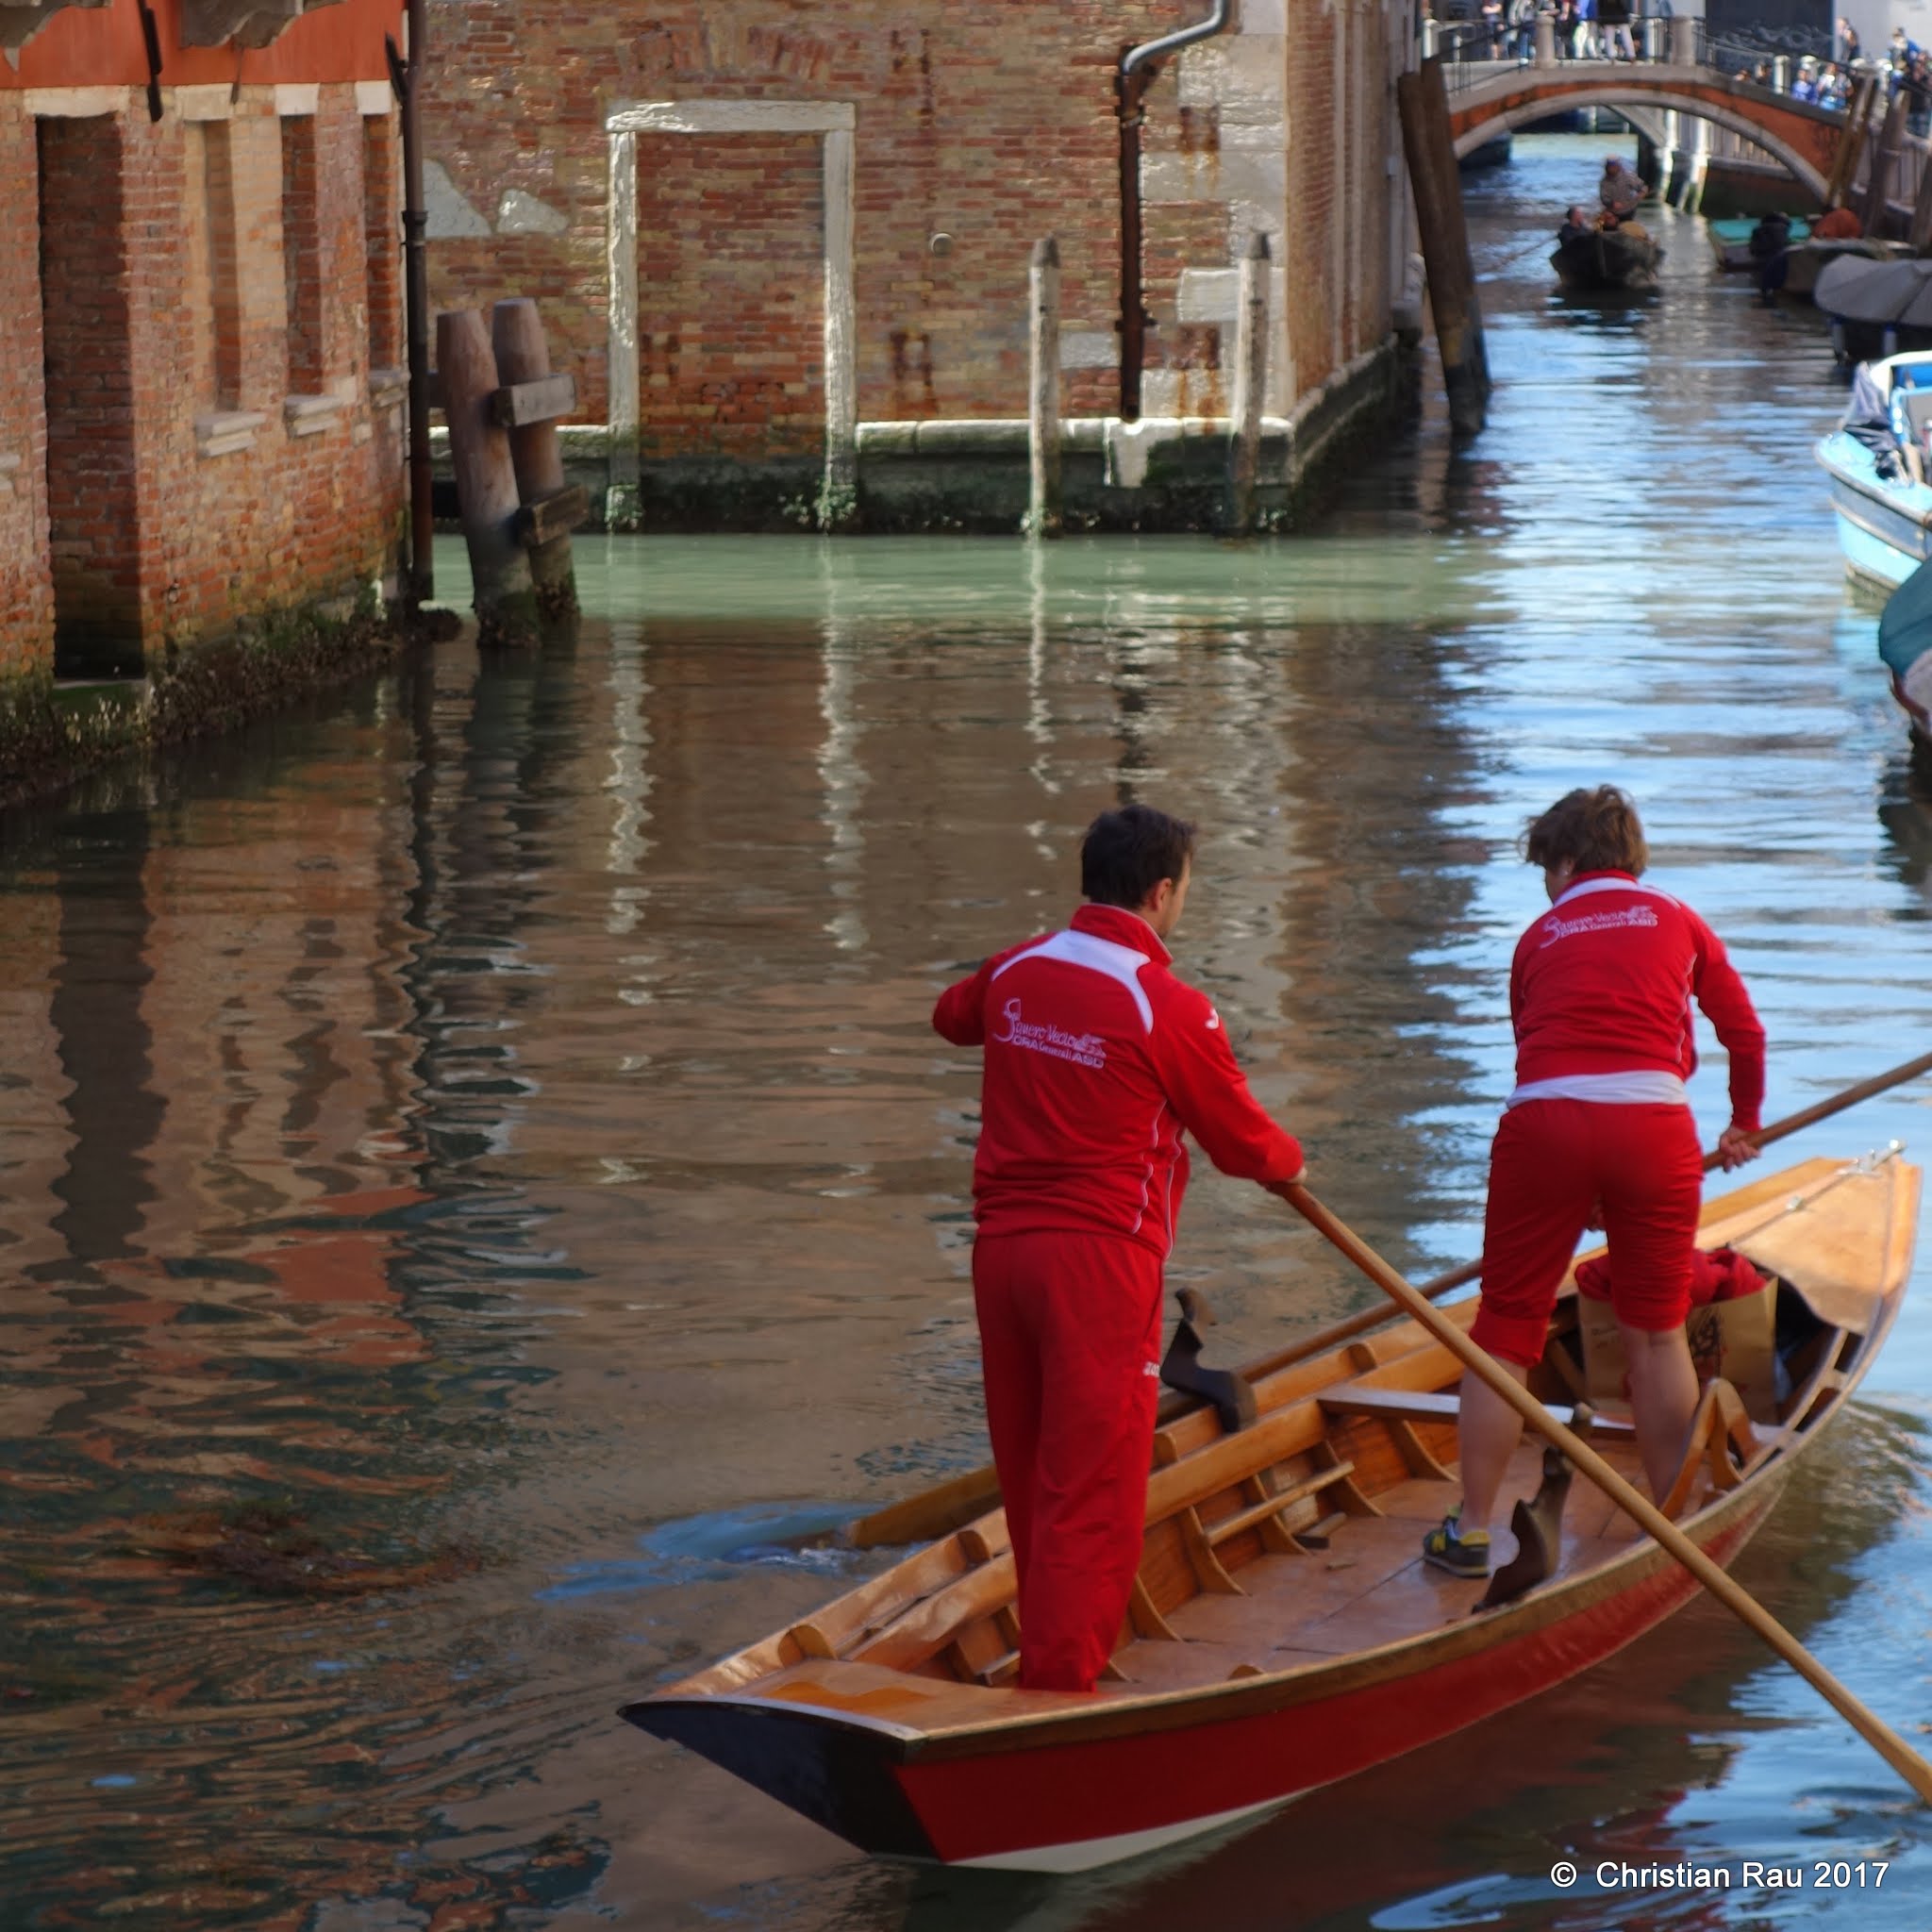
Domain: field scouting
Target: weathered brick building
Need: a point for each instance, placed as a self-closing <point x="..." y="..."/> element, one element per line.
<point x="767" y="232"/>
<point x="200" y="413"/>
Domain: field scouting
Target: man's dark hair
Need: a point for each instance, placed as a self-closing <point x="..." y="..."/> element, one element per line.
<point x="1127" y="852"/>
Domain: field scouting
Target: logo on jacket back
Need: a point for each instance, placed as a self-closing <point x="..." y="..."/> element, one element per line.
<point x="1555" y="930"/>
<point x="1083" y="1049"/>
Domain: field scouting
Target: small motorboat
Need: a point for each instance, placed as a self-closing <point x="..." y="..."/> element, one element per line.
<point x="1284" y="1631"/>
<point x="1877" y="464"/>
<point x="1624" y="256"/>
<point x="1730" y="242"/>
<point x="1877" y="308"/>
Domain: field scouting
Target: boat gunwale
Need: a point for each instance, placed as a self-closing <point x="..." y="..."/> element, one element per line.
<point x="1077" y="1719"/>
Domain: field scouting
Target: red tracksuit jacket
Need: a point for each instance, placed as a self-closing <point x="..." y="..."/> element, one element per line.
<point x="1097" y="1058"/>
<point x="1601" y="989"/>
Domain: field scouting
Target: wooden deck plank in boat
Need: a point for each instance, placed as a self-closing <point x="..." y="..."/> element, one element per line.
<point x="1288" y="1594"/>
<point x="1150" y="1665"/>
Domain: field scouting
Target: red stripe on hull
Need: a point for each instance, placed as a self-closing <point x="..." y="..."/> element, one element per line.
<point x="1008" y="1800"/>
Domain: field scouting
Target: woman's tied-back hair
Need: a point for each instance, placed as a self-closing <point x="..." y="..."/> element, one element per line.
<point x="1595" y="828"/>
<point x="1128" y="852"/>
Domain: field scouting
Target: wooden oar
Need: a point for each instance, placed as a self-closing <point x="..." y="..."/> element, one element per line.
<point x="1732" y="1595"/>
<point x="1352" y="1326"/>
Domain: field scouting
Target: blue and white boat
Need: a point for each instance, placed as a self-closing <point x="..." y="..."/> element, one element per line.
<point x="1877" y="463"/>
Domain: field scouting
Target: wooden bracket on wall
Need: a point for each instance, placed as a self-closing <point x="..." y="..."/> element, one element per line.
<point x="544" y="399"/>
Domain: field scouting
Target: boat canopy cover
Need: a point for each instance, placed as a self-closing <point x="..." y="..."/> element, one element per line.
<point x="1856" y="289"/>
<point x="1905" y="632"/>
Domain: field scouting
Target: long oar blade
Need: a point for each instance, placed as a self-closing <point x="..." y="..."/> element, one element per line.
<point x="1728" y="1591"/>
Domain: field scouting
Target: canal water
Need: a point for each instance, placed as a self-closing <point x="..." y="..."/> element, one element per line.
<point x="476" y="1179"/>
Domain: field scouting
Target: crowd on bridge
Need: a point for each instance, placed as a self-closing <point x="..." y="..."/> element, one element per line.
<point x="1505" y="30"/>
<point x="1622" y="30"/>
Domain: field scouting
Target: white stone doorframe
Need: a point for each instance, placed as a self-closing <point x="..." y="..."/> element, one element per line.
<point x="834" y="121"/>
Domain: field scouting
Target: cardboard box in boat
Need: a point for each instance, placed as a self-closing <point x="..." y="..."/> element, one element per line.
<point x="1736" y="1340"/>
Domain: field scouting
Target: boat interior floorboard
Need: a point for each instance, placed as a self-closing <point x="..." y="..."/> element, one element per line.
<point x="1369" y="1587"/>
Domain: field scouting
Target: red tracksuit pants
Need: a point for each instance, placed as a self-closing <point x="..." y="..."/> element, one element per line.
<point x="1554" y="1161"/>
<point x="1070" y="1343"/>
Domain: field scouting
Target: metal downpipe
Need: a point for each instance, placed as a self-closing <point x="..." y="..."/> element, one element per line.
<point x="421" y="584"/>
<point x="1138" y="68"/>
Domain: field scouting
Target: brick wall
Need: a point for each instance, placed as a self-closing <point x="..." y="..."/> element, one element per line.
<point x="91" y="481"/>
<point x="26" y="597"/>
<point x="731" y="247"/>
<point x="167" y="298"/>
<point x="382" y="241"/>
<point x="301" y="265"/>
<point x="977" y="131"/>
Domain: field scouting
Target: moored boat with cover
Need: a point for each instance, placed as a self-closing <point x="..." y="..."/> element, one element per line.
<point x="1284" y="1632"/>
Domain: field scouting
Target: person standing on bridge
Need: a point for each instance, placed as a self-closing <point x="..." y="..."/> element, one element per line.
<point x="1613" y="23"/>
<point x="1097" y="1059"/>
<point x="1522" y="30"/>
<point x="1584" y="43"/>
<point x="1597" y="1132"/>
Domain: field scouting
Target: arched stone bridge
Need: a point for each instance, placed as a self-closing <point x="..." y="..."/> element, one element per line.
<point x="1801" y="135"/>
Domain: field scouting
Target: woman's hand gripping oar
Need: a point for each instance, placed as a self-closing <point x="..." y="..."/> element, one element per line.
<point x="1337" y="1332"/>
<point x="1735" y="1598"/>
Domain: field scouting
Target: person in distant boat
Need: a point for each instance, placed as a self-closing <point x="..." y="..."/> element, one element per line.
<point x="1097" y="1060"/>
<point x="1576" y="224"/>
<point x="1770" y="245"/>
<point x="1597" y="1132"/>
<point x="1838" y="225"/>
<point x="1619" y="191"/>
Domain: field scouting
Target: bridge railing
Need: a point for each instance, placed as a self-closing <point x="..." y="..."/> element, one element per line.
<point x="1473" y="51"/>
<point x="1476" y="50"/>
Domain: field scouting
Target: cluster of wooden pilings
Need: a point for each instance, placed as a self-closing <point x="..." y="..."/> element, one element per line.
<point x="503" y="404"/>
<point x="1046" y="512"/>
<point x="1894" y="176"/>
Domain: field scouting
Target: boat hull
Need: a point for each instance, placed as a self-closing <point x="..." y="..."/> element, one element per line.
<point x="1068" y="1796"/>
<point x="1252" y="1670"/>
<point x="1884" y="528"/>
<point x="1613" y="259"/>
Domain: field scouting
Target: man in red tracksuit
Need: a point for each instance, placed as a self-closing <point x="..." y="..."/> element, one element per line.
<point x="1097" y="1059"/>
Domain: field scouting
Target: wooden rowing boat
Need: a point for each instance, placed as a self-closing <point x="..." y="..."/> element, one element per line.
<point x="1623" y="258"/>
<point x="1283" y="1632"/>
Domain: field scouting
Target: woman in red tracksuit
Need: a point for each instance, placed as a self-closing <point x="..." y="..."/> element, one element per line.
<point x="1597" y="1128"/>
<point x="1098" y="1060"/>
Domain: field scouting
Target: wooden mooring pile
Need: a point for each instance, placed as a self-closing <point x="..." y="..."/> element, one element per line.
<point x="503" y="403"/>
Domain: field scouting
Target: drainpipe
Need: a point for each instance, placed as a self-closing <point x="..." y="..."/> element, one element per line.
<point x="409" y="80"/>
<point x="1138" y="68"/>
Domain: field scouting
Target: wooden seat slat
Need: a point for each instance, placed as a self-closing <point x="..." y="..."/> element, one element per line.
<point x="1418" y="1406"/>
<point x="925" y="1629"/>
<point x="1219" y="1531"/>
